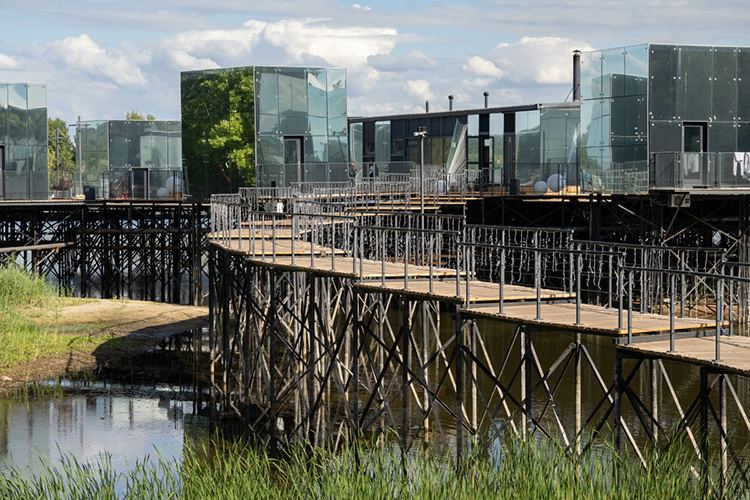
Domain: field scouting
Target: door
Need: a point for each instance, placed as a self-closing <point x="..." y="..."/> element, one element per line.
<point x="293" y="160"/>
<point x="694" y="159"/>
<point x="139" y="183"/>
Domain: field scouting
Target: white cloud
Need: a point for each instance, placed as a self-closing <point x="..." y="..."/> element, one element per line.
<point x="544" y="60"/>
<point x="204" y="49"/>
<point x="414" y="60"/>
<point x="7" y="62"/>
<point x="482" y="67"/>
<point x="346" y="47"/>
<point x="360" y="7"/>
<point x="419" y="89"/>
<point x="83" y="54"/>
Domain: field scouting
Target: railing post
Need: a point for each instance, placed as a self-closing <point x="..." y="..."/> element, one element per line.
<point x="719" y="318"/>
<point x="672" y="284"/>
<point x="630" y="306"/>
<point x="579" y="271"/>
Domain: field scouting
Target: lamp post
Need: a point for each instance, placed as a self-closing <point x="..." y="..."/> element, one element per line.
<point x="421" y="133"/>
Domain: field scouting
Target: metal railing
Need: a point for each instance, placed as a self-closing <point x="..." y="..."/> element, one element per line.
<point x="679" y="170"/>
<point x="538" y="258"/>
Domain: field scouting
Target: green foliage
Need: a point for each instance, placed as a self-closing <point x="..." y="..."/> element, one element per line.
<point x="137" y="115"/>
<point x="60" y="143"/>
<point x="29" y="326"/>
<point x="218" y="130"/>
<point x="518" y="470"/>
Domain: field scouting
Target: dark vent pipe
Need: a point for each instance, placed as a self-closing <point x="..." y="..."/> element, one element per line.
<point x="450" y="103"/>
<point x="486" y="100"/>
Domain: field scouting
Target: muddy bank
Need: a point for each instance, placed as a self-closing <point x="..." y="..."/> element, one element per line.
<point x="129" y="331"/>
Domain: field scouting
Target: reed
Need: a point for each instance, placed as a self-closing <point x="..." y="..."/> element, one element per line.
<point x="514" y="470"/>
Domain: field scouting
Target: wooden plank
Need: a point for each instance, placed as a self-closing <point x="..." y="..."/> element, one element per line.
<point x="45" y="246"/>
<point x="735" y="352"/>
<point x="594" y="319"/>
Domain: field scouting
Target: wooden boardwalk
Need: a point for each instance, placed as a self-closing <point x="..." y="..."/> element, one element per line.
<point x="735" y="351"/>
<point x="558" y="309"/>
<point x="594" y="319"/>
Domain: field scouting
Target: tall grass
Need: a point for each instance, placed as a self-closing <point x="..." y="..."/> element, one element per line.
<point x="30" y="321"/>
<point x="516" y="470"/>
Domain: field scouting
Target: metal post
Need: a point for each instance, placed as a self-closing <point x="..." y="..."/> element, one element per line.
<point x="723" y="434"/>
<point x="578" y="394"/>
<point x="405" y="376"/>
<point x="579" y="271"/>
<point x="630" y="307"/>
<point x="672" y="284"/>
<point x="719" y="318"/>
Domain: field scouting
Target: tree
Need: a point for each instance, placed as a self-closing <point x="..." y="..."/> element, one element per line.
<point x="60" y="143"/>
<point x="137" y="115"/>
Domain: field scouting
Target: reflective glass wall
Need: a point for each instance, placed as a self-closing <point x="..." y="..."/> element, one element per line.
<point x="23" y="141"/>
<point x="301" y="125"/>
<point x="546" y="146"/>
<point x="130" y="159"/>
<point x="614" y="120"/>
<point x="699" y="110"/>
<point x="218" y="128"/>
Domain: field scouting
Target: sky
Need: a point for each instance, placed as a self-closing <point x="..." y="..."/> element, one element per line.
<point x="101" y="59"/>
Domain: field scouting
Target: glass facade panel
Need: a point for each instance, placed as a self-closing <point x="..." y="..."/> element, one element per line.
<point x="743" y="84"/>
<point x="218" y="123"/>
<point x="591" y="75"/>
<point x="613" y="72"/>
<point x="23" y="137"/>
<point x="695" y="83"/>
<point x="663" y="64"/>
<point x="316" y="92"/>
<point x="383" y="142"/>
<point x="355" y="147"/>
<point x="725" y="84"/>
<point x="473" y="125"/>
<point x="337" y="101"/>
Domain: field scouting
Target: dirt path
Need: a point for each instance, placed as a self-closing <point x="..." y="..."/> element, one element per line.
<point x="130" y="327"/>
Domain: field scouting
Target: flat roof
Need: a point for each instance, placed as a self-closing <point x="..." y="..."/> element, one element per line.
<point x="463" y="112"/>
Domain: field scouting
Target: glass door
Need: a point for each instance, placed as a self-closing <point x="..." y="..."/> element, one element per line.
<point x="139" y="183"/>
<point x="293" y="160"/>
<point x="694" y="164"/>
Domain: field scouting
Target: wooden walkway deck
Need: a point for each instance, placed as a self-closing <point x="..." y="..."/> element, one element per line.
<point x="594" y="319"/>
<point x="735" y="351"/>
<point x="558" y="312"/>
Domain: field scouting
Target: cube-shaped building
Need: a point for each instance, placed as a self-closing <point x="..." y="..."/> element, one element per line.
<point x="131" y="159"/>
<point x="262" y="125"/>
<point x="665" y="117"/>
<point x="23" y="141"/>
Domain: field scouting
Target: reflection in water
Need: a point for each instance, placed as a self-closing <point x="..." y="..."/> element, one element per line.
<point x="100" y="417"/>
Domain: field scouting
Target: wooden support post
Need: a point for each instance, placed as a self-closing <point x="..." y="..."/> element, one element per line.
<point x="356" y="339"/>
<point x="405" y="374"/>
<point x="459" y="388"/>
<point x="705" y="464"/>
<point x="617" y="403"/>
<point x="272" y="363"/>
<point x="655" y="401"/>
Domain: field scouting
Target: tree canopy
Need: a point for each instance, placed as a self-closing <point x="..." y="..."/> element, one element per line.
<point x="137" y="115"/>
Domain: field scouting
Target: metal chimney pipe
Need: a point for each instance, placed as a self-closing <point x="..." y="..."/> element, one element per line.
<point x="427" y="106"/>
<point x="450" y="103"/>
<point x="486" y="100"/>
<point x="576" y="76"/>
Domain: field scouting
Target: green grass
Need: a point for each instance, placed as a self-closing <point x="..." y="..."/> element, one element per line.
<point x="29" y="320"/>
<point x="517" y="470"/>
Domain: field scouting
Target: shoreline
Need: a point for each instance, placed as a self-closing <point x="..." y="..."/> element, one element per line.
<point x="119" y="330"/>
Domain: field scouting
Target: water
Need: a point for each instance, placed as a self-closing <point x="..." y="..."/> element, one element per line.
<point x="88" y="419"/>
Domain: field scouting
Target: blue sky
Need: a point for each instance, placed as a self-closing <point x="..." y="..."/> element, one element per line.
<point x="101" y="59"/>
